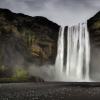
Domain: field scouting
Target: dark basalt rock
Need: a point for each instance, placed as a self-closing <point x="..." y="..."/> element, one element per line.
<point x="36" y="79"/>
<point x="94" y="33"/>
<point x="25" y="40"/>
<point x="94" y="29"/>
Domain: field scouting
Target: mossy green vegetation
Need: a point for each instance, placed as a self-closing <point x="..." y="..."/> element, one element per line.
<point x="26" y="40"/>
<point x="94" y="29"/>
<point x="3" y="68"/>
<point x="19" y="72"/>
<point x="96" y="25"/>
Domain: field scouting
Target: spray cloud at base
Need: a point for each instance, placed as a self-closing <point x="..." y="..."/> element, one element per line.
<point x="77" y="66"/>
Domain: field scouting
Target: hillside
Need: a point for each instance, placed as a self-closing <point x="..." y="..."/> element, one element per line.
<point x="26" y="40"/>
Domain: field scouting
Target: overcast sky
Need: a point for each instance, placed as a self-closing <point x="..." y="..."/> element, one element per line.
<point x="63" y="12"/>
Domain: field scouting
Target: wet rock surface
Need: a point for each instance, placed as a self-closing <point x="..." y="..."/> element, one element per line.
<point x="50" y="91"/>
<point x="36" y="79"/>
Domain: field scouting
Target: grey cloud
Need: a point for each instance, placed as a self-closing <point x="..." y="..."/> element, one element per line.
<point x="37" y="5"/>
<point x="63" y="12"/>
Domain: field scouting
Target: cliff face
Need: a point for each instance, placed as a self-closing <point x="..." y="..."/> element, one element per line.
<point x="94" y="32"/>
<point x="25" y="40"/>
<point x="94" y="29"/>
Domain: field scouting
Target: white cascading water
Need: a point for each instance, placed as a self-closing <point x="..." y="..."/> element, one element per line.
<point x="78" y="53"/>
<point x="60" y="53"/>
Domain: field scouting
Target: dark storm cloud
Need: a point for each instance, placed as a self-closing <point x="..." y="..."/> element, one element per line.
<point x="63" y="12"/>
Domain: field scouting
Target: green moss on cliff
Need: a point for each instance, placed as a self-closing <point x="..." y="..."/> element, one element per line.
<point x="19" y="72"/>
<point x="96" y="25"/>
<point x="26" y="39"/>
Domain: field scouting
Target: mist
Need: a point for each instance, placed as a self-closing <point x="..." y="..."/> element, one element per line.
<point x="48" y="73"/>
<point x="95" y="63"/>
<point x="14" y="51"/>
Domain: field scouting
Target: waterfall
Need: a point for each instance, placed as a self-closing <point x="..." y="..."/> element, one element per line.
<point x="60" y="53"/>
<point x="78" y="52"/>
